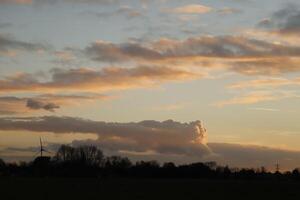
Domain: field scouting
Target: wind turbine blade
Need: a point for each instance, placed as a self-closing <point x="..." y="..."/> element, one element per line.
<point x="48" y="151"/>
<point x="36" y="153"/>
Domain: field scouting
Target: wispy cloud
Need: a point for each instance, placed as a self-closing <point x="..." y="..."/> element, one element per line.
<point x="9" y="44"/>
<point x="269" y="82"/>
<point x="264" y="109"/>
<point x="256" y="97"/>
<point x="169" y="107"/>
<point x="191" y="9"/>
<point x="228" y="11"/>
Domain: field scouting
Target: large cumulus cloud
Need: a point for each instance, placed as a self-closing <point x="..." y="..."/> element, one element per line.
<point x="167" y="137"/>
<point x="164" y="141"/>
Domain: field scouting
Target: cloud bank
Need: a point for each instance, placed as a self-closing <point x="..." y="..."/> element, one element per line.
<point x="167" y="137"/>
<point x="164" y="141"/>
<point x="240" y="54"/>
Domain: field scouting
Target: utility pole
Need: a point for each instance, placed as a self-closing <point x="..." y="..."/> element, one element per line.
<point x="277" y="168"/>
<point x="42" y="149"/>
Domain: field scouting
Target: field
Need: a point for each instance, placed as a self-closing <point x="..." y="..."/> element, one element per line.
<point x="85" y="189"/>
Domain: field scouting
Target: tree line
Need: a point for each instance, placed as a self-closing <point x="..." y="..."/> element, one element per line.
<point x="89" y="161"/>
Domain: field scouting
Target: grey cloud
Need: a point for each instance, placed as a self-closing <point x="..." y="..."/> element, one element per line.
<point x="37" y="105"/>
<point x="254" y="156"/>
<point x="124" y="11"/>
<point x="284" y="21"/>
<point x="48" y="102"/>
<point x="5" y="24"/>
<point x="38" y="2"/>
<point x="205" y="46"/>
<point x="167" y="137"/>
<point x="227" y="11"/>
<point x="8" y="43"/>
<point x="109" y="52"/>
<point x="240" y="54"/>
<point x="266" y="66"/>
<point x="148" y="140"/>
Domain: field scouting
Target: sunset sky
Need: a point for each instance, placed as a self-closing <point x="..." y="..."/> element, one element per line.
<point x="136" y="77"/>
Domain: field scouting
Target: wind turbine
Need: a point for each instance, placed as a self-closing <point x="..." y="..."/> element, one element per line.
<point x="42" y="149"/>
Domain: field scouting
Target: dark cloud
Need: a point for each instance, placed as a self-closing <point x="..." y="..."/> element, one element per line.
<point x="37" y="105"/>
<point x="48" y="102"/>
<point x="8" y="43"/>
<point x="284" y="21"/>
<point x="254" y="156"/>
<point x="164" y="141"/>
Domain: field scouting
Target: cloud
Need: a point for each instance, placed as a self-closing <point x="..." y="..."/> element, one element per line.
<point x="5" y="24"/>
<point x="191" y="9"/>
<point x="123" y="11"/>
<point x="269" y="82"/>
<point x="255" y="156"/>
<point x="236" y="53"/>
<point x="16" y="1"/>
<point x="164" y="141"/>
<point x="37" y="105"/>
<point x="106" y="51"/>
<point x="22" y="2"/>
<point x="9" y="44"/>
<point x="167" y="137"/>
<point x="227" y="11"/>
<point x="256" y="97"/>
<point x="169" y="107"/>
<point x="285" y="21"/>
<point x="10" y="105"/>
<point x="265" y="109"/>
<point x="90" y="80"/>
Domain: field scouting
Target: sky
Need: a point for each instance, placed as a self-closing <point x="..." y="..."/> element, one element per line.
<point x="182" y="81"/>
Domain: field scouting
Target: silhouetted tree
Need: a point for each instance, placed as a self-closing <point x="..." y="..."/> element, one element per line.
<point x="117" y="162"/>
<point x="65" y="153"/>
<point x="85" y="155"/>
<point x="2" y="163"/>
<point x="89" y="161"/>
<point x="90" y="155"/>
<point x="169" y="165"/>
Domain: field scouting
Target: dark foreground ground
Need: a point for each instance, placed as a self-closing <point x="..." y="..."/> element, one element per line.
<point x="86" y="189"/>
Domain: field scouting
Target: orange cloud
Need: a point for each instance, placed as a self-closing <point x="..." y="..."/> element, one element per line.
<point x="191" y="9"/>
<point x="235" y="53"/>
<point x="90" y="80"/>
<point x="270" y="82"/>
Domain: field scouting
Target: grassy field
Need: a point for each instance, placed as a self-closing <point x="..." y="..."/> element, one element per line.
<point x="86" y="189"/>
